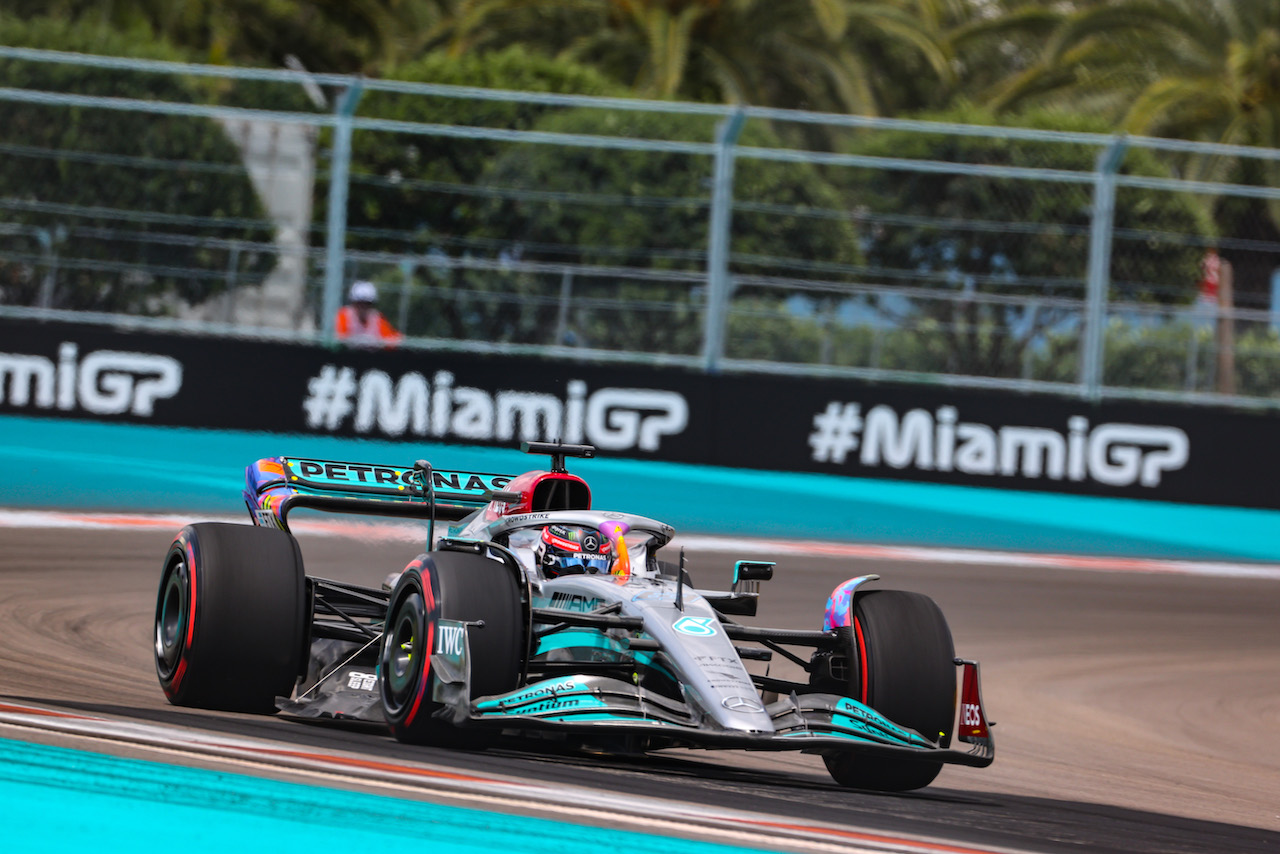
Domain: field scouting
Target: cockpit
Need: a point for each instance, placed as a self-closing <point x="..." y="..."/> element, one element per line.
<point x="575" y="547"/>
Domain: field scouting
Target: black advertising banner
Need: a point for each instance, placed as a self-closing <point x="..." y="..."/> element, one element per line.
<point x="835" y="426"/>
<point x="1012" y="441"/>
<point x="87" y="371"/>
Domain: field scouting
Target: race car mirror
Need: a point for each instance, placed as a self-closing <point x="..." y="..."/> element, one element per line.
<point x="747" y="575"/>
<point x="750" y="570"/>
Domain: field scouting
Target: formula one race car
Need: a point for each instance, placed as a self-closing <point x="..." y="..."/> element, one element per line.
<point x="536" y="615"/>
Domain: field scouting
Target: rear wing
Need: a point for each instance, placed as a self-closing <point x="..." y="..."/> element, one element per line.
<point x="276" y="485"/>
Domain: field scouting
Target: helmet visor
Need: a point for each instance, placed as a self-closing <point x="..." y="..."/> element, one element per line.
<point x="575" y="550"/>
<point x="591" y="564"/>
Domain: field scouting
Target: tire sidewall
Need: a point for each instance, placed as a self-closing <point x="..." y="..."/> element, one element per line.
<point x="455" y="586"/>
<point x="923" y="700"/>
<point x="414" y="607"/>
<point x="244" y="622"/>
<point x="901" y="664"/>
<point x="179" y="579"/>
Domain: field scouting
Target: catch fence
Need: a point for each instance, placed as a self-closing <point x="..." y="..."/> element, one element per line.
<point x="727" y="239"/>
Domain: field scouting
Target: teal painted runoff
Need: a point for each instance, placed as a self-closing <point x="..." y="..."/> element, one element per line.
<point x="68" y="464"/>
<point x="60" y="800"/>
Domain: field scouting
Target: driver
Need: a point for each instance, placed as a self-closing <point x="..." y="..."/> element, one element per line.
<point x="570" y="549"/>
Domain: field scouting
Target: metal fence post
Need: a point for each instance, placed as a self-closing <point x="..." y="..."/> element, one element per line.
<point x="232" y="283"/>
<point x="562" y="312"/>
<point x="336" y="235"/>
<point x="46" y="240"/>
<point x="1099" y="281"/>
<point x="718" y="242"/>
<point x="407" y="268"/>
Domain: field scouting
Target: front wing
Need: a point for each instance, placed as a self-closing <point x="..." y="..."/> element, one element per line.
<point x="602" y="707"/>
<point x="602" y="704"/>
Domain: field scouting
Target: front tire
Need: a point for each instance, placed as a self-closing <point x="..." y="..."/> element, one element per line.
<point x="901" y="663"/>
<point x="450" y="586"/>
<point x="230" y="617"/>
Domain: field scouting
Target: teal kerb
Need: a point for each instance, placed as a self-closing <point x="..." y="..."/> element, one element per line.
<point x="133" y="467"/>
<point x="73" y="800"/>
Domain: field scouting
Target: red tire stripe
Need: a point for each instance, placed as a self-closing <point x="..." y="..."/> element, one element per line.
<point x="862" y="659"/>
<point x="181" y="670"/>
<point x="191" y="607"/>
<point x="177" y="677"/>
<point x="428" y="608"/>
<point x="423" y="679"/>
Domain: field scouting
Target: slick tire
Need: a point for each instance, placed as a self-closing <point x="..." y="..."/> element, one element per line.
<point x="902" y="665"/>
<point x="231" y="618"/>
<point x="449" y="586"/>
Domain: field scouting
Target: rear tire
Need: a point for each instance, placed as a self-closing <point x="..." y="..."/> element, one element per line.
<point x="230" y="617"/>
<point x="901" y="663"/>
<point x="449" y="586"/>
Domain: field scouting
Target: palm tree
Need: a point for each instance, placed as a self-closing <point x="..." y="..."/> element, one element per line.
<point x="843" y="55"/>
<point x="1192" y="69"/>
<point x="1205" y="70"/>
<point x="328" y="35"/>
<point x="994" y="41"/>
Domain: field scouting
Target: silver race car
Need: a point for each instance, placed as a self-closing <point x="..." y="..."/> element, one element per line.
<point x="536" y="616"/>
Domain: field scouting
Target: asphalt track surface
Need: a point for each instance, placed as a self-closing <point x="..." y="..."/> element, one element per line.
<point x="1136" y="711"/>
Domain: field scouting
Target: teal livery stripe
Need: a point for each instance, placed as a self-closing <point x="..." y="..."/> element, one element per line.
<point x="60" y="800"/>
<point x="572" y="639"/>
<point x="53" y="463"/>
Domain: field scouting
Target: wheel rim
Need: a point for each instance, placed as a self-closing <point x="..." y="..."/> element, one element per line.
<point x="171" y="618"/>
<point x="401" y="667"/>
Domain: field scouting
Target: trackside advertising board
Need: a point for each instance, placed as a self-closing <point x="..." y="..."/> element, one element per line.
<point x="833" y="426"/>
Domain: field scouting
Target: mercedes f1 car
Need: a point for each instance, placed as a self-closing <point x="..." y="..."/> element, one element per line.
<point x="536" y="615"/>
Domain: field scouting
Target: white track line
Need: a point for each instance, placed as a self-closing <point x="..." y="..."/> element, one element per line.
<point x="750" y="547"/>
<point x="929" y="554"/>
<point x="104" y="521"/>
<point x="487" y="791"/>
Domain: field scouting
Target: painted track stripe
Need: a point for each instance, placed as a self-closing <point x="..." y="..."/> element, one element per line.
<point x="745" y="546"/>
<point x="11" y="518"/>
<point x="119" y="803"/>
<point x="928" y="554"/>
<point x="601" y="811"/>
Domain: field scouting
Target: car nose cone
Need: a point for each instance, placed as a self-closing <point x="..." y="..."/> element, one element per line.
<point x="742" y="704"/>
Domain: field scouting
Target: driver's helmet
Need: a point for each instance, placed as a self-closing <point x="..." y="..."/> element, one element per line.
<point x="570" y="549"/>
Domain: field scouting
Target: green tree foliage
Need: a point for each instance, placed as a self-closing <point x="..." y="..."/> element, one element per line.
<point x="765" y="331"/>
<point x="646" y="202"/>
<point x="328" y="35"/>
<point x="992" y="41"/>
<point x="1179" y="68"/>
<point x="1184" y="68"/>
<point x="641" y="210"/>
<point x="1178" y="356"/>
<point x="419" y="190"/>
<point x="117" y="190"/>
<point x="1258" y="362"/>
<point x="1010" y="237"/>
<point x="842" y="55"/>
